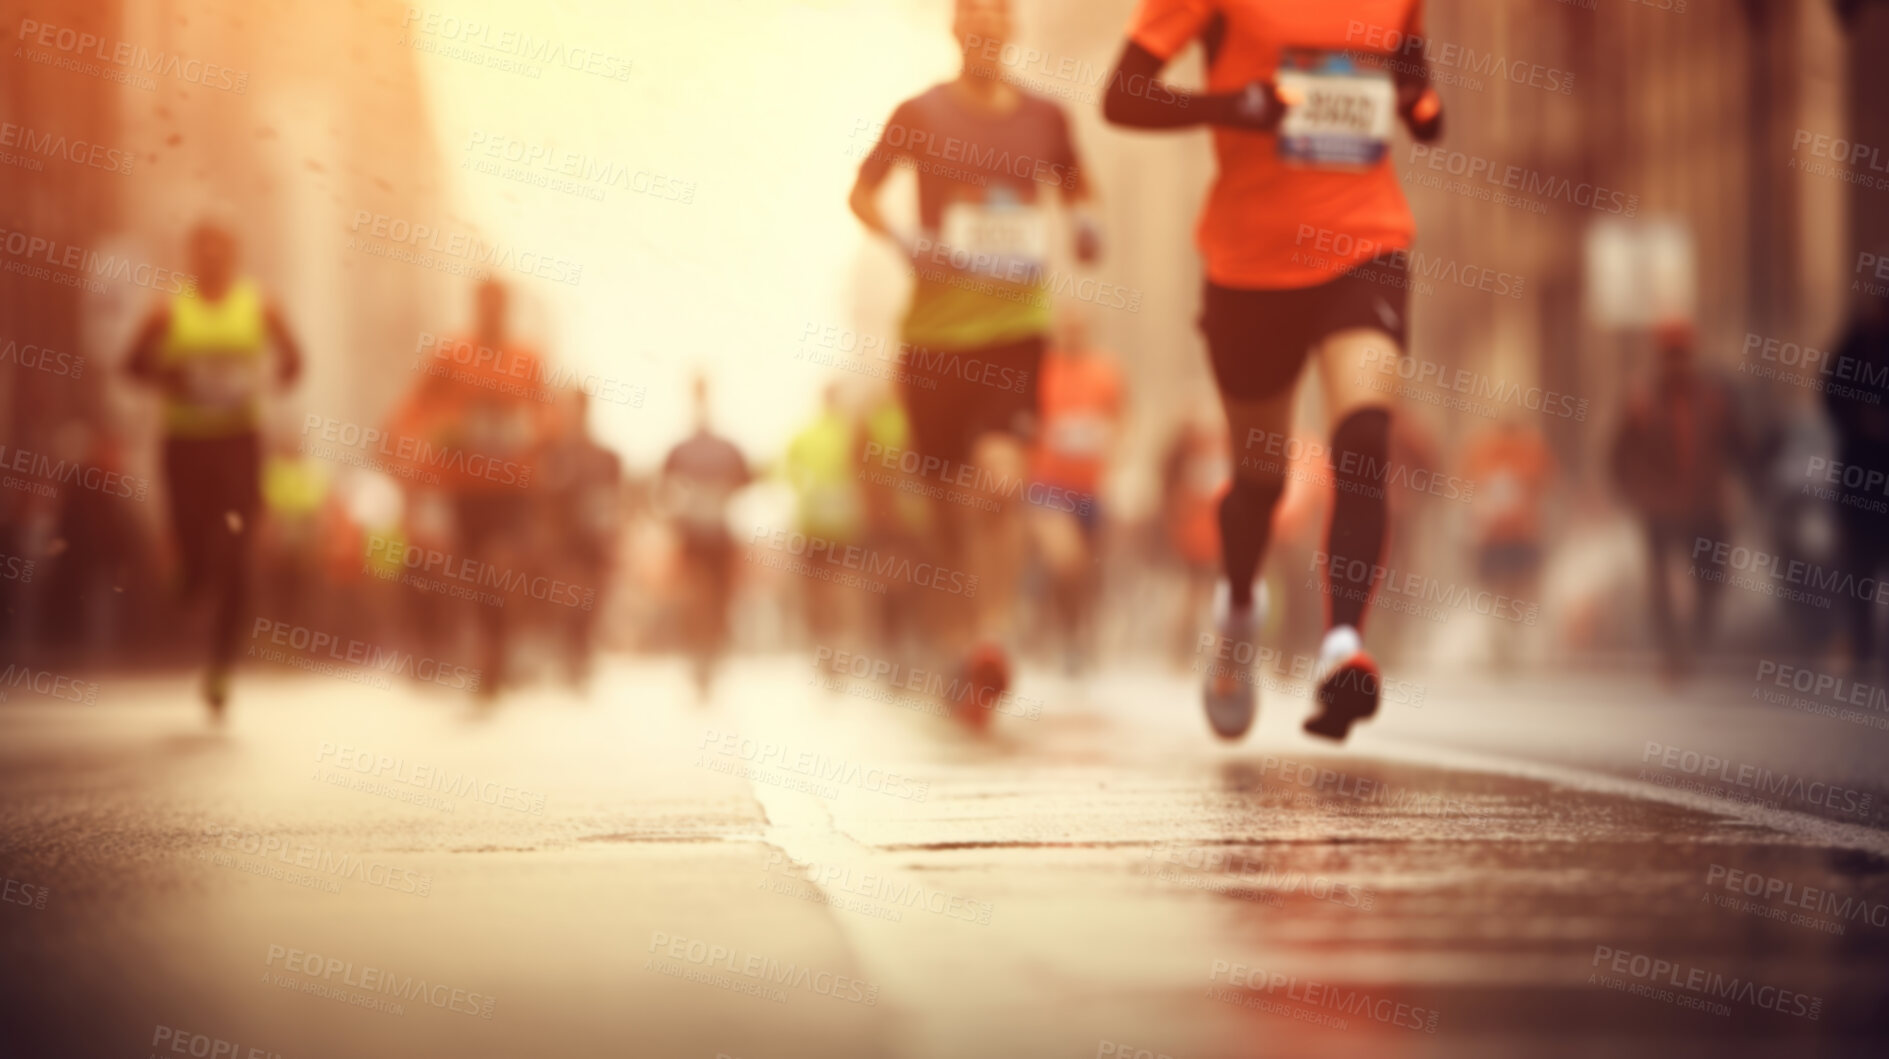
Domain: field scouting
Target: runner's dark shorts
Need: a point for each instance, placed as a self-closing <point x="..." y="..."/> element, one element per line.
<point x="953" y="397"/>
<point x="1259" y="339"/>
<point x="1505" y="559"/>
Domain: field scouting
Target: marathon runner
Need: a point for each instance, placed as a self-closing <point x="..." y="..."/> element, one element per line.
<point x="1079" y="418"/>
<point x="480" y="420"/>
<point x="1859" y="410"/>
<point x="700" y="477"/>
<point x="822" y="465"/>
<point x="584" y="481"/>
<point x="204" y="351"/>
<point x="988" y="157"/>
<point x="1302" y="98"/>
<point x="1194" y="476"/>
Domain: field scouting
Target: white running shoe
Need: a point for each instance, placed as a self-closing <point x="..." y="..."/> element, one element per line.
<point x="1347" y="684"/>
<point x="1232" y="693"/>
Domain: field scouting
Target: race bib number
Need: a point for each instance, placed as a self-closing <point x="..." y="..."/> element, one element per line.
<point x="496" y="430"/>
<point x="1006" y="240"/>
<point x="1503" y="494"/>
<point x="1345" y="111"/>
<point x="702" y="506"/>
<point x="221" y="383"/>
<point x="1078" y="435"/>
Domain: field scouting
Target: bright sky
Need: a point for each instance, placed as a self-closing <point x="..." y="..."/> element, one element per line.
<point x="754" y="102"/>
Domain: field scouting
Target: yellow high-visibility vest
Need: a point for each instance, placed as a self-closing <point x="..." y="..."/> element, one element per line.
<point x="219" y="347"/>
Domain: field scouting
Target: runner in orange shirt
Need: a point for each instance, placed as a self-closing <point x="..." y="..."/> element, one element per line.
<point x="1079" y="401"/>
<point x="1306" y="237"/>
<point x="1195" y="471"/>
<point x="473" y="432"/>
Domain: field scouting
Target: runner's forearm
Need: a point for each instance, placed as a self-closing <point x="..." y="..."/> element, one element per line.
<point x="1138" y="99"/>
<point x="142" y="363"/>
<point x="864" y="201"/>
<point x="288" y="351"/>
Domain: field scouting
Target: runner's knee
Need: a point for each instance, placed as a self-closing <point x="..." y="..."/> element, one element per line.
<point x="1361" y="445"/>
<point x="1253" y="495"/>
<point x="1260" y="476"/>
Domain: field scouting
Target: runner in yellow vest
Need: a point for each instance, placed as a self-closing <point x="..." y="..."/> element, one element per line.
<point x="205" y="351"/>
<point x="824" y="468"/>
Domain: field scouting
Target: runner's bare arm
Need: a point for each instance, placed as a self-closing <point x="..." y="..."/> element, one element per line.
<point x="1421" y="108"/>
<point x="1138" y="99"/>
<point x="875" y="167"/>
<point x="288" y="351"/>
<point x="142" y="363"/>
<point x="864" y="201"/>
<point x="1417" y="102"/>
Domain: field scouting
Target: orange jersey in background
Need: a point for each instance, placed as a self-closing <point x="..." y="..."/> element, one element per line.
<point x="1079" y="398"/>
<point x="476" y="424"/>
<point x="1511" y="468"/>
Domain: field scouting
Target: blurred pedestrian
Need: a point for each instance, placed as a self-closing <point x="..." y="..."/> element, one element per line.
<point x="1510" y="469"/>
<point x="584" y="481"/>
<point x="824" y="467"/>
<point x="700" y="478"/>
<point x="898" y="525"/>
<point x="1080" y="409"/>
<point x="1195" y="472"/>
<point x="1674" y="459"/>
<point x="1791" y="434"/>
<point x="478" y="423"/>
<point x="295" y="487"/>
<point x="1859" y="410"/>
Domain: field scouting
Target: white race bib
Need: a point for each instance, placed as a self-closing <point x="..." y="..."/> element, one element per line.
<point x="1080" y="435"/>
<point x="997" y="235"/>
<point x="221" y="383"/>
<point x="497" y="430"/>
<point x="1503" y="492"/>
<point x="702" y="506"/>
<point x="1345" y="112"/>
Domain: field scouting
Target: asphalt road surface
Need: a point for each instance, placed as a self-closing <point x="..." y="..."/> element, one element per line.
<point x="809" y="866"/>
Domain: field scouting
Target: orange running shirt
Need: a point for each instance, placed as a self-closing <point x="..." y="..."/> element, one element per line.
<point x="1270" y="224"/>
<point x="1080" y="401"/>
<point x="477" y="421"/>
<point x="1511" y="469"/>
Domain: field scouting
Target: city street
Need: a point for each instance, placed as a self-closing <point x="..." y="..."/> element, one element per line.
<point x="726" y="529"/>
<point x="803" y="866"/>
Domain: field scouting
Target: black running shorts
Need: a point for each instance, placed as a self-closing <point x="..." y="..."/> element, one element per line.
<point x="951" y="398"/>
<point x="1259" y="339"/>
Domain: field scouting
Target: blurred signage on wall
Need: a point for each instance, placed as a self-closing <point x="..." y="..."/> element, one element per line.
<point x="1639" y="272"/>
